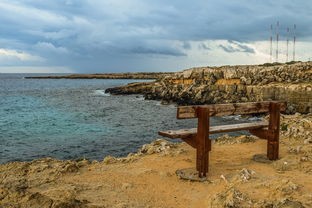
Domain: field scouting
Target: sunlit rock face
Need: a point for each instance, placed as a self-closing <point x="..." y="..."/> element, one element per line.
<point x="227" y="84"/>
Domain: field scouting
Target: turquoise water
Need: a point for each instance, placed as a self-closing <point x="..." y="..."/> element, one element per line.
<point x="71" y="119"/>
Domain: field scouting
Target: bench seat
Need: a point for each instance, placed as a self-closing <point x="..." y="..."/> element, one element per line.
<point x="187" y="133"/>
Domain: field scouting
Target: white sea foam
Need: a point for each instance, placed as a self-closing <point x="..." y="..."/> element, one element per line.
<point x="101" y="93"/>
<point x="234" y="117"/>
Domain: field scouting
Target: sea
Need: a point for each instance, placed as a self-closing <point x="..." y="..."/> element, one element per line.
<point x="75" y="119"/>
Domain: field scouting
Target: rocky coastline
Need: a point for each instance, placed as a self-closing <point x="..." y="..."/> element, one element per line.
<point x="138" y="75"/>
<point x="238" y="177"/>
<point x="239" y="174"/>
<point x="291" y="82"/>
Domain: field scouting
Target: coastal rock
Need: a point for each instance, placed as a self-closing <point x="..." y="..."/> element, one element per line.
<point x="246" y="174"/>
<point x="292" y="126"/>
<point x="132" y="88"/>
<point x="226" y="139"/>
<point x="287" y="203"/>
<point x="230" y="198"/>
<point x="109" y="160"/>
<point x="230" y="84"/>
<point x="158" y="146"/>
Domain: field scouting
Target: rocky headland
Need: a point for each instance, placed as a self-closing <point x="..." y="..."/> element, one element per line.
<point x="291" y="82"/>
<point x="238" y="176"/>
<point x="138" y="75"/>
<point x="239" y="173"/>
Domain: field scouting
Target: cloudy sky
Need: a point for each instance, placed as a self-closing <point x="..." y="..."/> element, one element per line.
<point x="147" y="35"/>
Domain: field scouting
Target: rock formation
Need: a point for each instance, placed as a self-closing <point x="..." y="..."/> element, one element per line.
<point x="227" y="84"/>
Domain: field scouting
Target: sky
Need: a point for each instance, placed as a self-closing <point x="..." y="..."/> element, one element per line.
<point x="88" y="36"/>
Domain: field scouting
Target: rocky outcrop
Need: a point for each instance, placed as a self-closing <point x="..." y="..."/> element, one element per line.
<point x="230" y="84"/>
<point x="132" y="88"/>
<point x="148" y="177"/>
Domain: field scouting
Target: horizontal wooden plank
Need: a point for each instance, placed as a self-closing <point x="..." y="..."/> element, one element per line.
<point x="185" y="112"/>
<point x="186" y="133"/>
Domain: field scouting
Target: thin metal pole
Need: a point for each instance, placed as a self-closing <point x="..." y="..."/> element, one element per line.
<point x="287" y="42"/>
<point x="271" y="40"/>
<point x="277" y="36"/>
<point x="294" y="45"/>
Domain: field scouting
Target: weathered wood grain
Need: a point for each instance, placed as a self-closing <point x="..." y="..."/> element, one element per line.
<point x="274" y="127"/>
<point x="185" y="112"/>
<point x="186" y="133"/>
<point x="203" y="142"/>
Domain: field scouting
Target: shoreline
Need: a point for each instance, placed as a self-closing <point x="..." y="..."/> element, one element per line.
<point x="235" y="178"/>
<point x="138" y="75"/>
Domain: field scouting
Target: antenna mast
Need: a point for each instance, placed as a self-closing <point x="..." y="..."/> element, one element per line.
<point x="277" y="35"/>
<point x="271" y="39"/>
<point x="287" y="42"/>
<point x="294" y="45"/>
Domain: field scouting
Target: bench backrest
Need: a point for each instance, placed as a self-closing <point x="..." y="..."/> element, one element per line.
<point x="185" y="112"/>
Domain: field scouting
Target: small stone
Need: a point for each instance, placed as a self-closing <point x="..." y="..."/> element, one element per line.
<point x="243" y="80"/>
<point x="70" y="168"/>
<point x="246" y="174"/>
<point x="244" y="99"/>
<point x="109" y="160"/>
<point x="83" y="162"/>
<point x="298" y="149"/>
<point x="165" y="174"/>
<point x="304" y="159"/>
<point x="126" y="186"/>
<point x="248" y="81"/>
<point x="290" y="204"/>
<point x="224" y="179"/>
<point x="261" y="158"/>
<point x="121" y="205"/>
<point x="307" y="141"/>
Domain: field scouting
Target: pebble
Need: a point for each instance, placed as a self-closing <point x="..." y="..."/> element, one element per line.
<point x="126" y="186"/>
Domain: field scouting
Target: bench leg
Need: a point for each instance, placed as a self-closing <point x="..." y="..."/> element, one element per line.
<point x="274" y="126"/>
<point x="203" y="142"/>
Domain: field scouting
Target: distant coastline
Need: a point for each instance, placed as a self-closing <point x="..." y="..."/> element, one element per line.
<point x="139" y="75"/>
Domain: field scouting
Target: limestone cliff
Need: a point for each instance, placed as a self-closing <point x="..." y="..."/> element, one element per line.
<point x="207" y="85"/>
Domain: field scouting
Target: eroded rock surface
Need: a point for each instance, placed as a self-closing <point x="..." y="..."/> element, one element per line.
<point x="230" y="84"/>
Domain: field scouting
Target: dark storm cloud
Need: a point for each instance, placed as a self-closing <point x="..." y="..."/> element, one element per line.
<point x="80" y="33"/>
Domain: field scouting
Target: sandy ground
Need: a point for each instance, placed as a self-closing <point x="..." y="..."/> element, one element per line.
<point x="148" y="179"/>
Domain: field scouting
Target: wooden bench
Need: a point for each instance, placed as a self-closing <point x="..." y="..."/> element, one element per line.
<point x="198" y="137"/>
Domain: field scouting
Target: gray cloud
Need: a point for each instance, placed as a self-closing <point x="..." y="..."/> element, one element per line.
<point x="186" y="45"/>
<point x="81" y="33"/>
<point x="165" y="51"/>
<point x="204" y="46"/>
<point x="234" y="46"/>
<point x="228" y="49"/>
